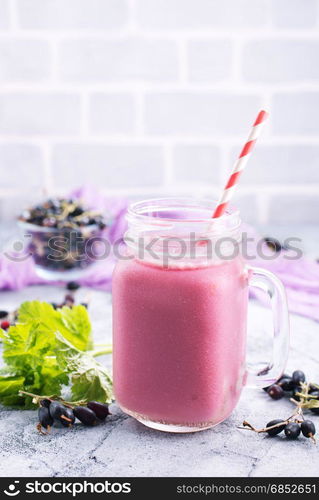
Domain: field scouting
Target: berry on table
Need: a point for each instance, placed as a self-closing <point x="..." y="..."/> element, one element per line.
<point x="61" y="414"/>
<point x="45" y="418"/>
<point x="275" y="391"/>
<point x="69" y="299"/>
<point x="275" y="430"/>
<point x="3" y="314"/>
<point x="295" y="392"/>
<point x="68" y="418"/>
<point x="308" y="428"/>
<point x="101" y="410"/>
<point x="298" y="377"/>
<point x="72" y="286"/>
<point x="292" y="430"/>
<point x="286" y="383"/>
<point x="45" y="403"/>
<point x="56" y="410"/>
<point x="85" y="415"/>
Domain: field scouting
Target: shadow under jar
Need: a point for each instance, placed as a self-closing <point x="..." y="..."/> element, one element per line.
<point x="180" y="297"/>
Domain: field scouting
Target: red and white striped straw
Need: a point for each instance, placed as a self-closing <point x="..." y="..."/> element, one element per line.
<point x="240" y="164"/>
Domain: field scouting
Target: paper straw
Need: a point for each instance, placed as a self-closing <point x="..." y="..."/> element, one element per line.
<point x="240" y="164"/>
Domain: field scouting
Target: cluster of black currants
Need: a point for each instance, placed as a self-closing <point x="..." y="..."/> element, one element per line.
<point x="286" y="385"/>
<point x="69" y="298"/>
<point x="62" y="213"/>
<point x="304" y="395"/>
<point x="295" y="387"/>
<point x="8" y="318"/>
<point x="51" y="412"/>
<point x="292" y="428"/>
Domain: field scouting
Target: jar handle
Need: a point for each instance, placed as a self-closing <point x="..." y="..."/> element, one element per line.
<point x="269" y="283"/>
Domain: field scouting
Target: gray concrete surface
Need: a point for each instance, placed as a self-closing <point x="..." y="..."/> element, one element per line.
<point x="124" y="447"/>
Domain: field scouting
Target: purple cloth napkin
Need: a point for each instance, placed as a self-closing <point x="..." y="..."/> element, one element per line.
<point x="300" y="277"/>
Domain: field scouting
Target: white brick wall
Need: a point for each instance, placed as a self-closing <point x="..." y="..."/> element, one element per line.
<point x="24" y="59"/>
<point x="154" y="97"/>
<point x="72" y="14"/>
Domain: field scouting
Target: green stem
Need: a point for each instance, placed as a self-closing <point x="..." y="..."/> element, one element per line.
<point x="101" y="352"/>
<point x="103" y="346"/>
<point x="36" y="399"/>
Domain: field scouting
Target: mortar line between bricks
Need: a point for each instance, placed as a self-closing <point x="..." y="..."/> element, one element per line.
<point x="85" y="124"/>
<point x="183" y="65"/>
<point x="187" y="87"/>
<point x="311" y="190"/>
<point x="236" y="62"/>
<point x="152" y="140"/>
<point x="263" y="201"/>
<point x="132" y="26"/>
<point x="210" y="33"/>
<point x="47" y="164"/>
<point x="139" y="115"/>
<point x="155" y="140"/>
<point x="13" y="14"/>
<point x="168" y="164"/>
<point x="54" y="67"/>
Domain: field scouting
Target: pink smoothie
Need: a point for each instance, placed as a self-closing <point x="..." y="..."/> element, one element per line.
<point x="179" y="341"/>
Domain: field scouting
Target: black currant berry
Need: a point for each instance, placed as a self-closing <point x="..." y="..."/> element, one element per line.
<point x="3" y="314"/>
<point x="68" y="418"/>
<point x="69" y="299"/>
<point x="275" y="430"/>
<point x="273" y="243"/>
<point x="275" y="391"/>
<point x="72" y="286"/>
<point x="101" y="410"/>
<point x="85" y="415"/>
<point x="286" y="384"/>
<point x="298" y="376"/>
<point x="308" y="428"/>
<point x="56" y="410"/>
<point x="45" y="418"/>
<point x="45" y="403"/>
<point x="295" y="393"/>
<point x="292" y="430"/>
<point x="77" y="211"/>
<point x="284" y="375"/>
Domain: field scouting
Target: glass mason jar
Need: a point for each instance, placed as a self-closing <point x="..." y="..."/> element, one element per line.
<point x="180" y="297"/>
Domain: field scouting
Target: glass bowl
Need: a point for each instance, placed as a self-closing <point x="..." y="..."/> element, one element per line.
<point x="63" y="254"/>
